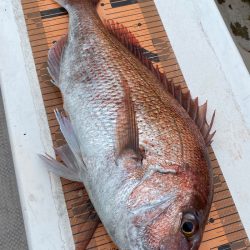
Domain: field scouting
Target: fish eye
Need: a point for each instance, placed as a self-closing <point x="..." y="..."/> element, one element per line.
<point x="187" y="228"/>
<point x="189" y="225"/>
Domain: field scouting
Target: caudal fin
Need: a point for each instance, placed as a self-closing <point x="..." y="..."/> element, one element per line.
<point x="67" y="3"/>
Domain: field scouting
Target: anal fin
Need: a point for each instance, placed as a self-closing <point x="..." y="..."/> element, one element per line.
<point x="69" y="135"/>
<point x="70" y="171"/>
<point x="69" y="153"/>
<point x="54" y="58"/>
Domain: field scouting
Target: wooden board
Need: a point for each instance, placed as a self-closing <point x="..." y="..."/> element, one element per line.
<point x="46" y="23"/>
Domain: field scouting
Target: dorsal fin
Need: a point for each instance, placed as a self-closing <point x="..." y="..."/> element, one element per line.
<point x="196" y="112"/>
<point x="127" y="130"/>
<point x="54" y="58"/>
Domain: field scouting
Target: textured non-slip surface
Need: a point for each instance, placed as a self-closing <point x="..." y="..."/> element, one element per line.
<point x="12" y="232"/>
<point x="46" y="23"/>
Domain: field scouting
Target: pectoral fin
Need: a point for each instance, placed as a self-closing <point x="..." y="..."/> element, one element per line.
<point x="127" y="129"/>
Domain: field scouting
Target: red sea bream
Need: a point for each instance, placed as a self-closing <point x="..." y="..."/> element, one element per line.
<point x="134" y="139"/>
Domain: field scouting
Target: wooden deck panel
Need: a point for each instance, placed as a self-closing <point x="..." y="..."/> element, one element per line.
<point x="224" y="229"/>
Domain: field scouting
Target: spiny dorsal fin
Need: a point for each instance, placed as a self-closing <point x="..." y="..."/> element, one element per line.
<point x="127" y="130"/>
<point x="196" y="112"/>
<point x="54" y="58"/>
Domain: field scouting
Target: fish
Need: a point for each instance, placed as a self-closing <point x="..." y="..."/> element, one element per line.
<point x="134" y="139"/>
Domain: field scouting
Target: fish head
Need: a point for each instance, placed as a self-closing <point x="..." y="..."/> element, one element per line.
<point x="170" y="206"/>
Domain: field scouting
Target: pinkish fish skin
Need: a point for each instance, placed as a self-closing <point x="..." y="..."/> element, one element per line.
<point x="141" y="157"/>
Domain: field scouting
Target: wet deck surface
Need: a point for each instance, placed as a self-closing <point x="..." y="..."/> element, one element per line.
<point x="46" y="23"/>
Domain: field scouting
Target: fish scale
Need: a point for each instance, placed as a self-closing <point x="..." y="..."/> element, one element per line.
<point x="114" y="103"/>
<point x="150" y="99"/>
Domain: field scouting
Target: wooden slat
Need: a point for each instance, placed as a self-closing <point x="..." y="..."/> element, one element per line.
<point x="224" y="226"/>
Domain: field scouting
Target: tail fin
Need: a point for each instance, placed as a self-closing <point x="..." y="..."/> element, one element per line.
<point x="66" y="3"/>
